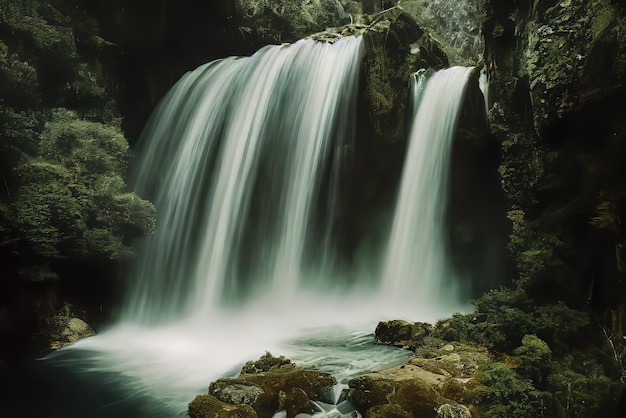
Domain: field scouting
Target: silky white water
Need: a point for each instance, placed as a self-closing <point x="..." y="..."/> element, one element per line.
<point x="416" y="267"/>
<point x="243" y="160"/>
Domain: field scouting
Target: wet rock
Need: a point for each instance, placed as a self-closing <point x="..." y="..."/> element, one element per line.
<point x="66" y="328"/>
<point x="295" y="402"/>
<point x="237" y="393"/>
<point x="264" y="364"/>
<point x="272" y="384"/>
<point x="402" y="334"/>
<point x="449" y="374"/>
<point x="207" y="406"/>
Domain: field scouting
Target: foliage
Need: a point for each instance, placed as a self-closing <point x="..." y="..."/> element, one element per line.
<point x="582" y="393"/>
<point x="506" y="394"/>
<point x="533" y="359"/>
<point x="73" y="200"/>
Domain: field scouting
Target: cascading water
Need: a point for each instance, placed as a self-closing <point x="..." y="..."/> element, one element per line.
<point x="243" y="161"/>
<point x="416" y="268"/>
<point x="234" y="159"/>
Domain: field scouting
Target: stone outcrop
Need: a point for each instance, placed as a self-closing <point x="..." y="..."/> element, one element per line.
<point x="436" y="381"/>
<point x="268" y="385"/>
<point x="207" y="406"/>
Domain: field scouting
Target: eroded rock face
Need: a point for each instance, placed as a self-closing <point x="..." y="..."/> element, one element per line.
<point x="556" y="69"/>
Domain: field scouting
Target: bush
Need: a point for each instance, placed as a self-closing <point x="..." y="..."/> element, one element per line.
<point x="506" y="394"/>
<point x="533" y="359"/>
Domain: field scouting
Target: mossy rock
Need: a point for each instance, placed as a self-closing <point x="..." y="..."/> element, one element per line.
<point x="207" y="406"/>
<point x="269" y="385"/>
<point x="404" y="389"/>
<point x="402" y="334"/>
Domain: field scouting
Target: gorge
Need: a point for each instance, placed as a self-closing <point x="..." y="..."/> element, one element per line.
<point x="274" y="199"/>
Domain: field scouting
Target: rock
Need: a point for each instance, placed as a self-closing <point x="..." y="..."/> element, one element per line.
<point x="273" y="383"/>
<point x="405" y="386"/>
<point x="67" y="328"/>
<point x="422" y="385"/>
<point x="453" y="411"/>
<point x="264" y="364"/>
<point x="295" y="402"/>
<point x="237" y="393"/>
<point x="402" y="334"/>
<point x="207" y="406"/>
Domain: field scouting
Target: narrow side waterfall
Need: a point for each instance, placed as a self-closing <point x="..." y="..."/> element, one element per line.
<point x="235" y="159"/>
<point x="416" y="268"/>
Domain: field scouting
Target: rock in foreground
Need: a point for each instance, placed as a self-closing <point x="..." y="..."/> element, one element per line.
<point x="264" y="387"/>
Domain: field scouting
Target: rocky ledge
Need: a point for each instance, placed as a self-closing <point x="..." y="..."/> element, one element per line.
<point x="264" y="387"/>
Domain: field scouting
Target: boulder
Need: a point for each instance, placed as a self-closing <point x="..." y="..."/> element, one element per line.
<point x="207" y="406"/>
<point x="449" y="375"/>
<point x="403" y="334"/>
<point x="399" y="387"/>
<point x="66" y="328"/>
<point x="272" y="384"/>
<point x="295" y="402"/>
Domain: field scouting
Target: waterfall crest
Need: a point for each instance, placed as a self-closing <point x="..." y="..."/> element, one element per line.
<point x="416" y="267"/>
<point x="234" y="159"/>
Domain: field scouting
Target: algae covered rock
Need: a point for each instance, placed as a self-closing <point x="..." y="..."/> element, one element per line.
<point x="397" y="389"/>
<point x="207" y="406"/>
<point x="402" y="334"/>
<point x="272" y="384"/>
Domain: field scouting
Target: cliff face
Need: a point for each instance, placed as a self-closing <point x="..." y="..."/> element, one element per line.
<point x="557" y="72"/>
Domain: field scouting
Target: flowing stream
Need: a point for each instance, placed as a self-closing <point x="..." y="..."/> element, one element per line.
<point x="244" y="160"/>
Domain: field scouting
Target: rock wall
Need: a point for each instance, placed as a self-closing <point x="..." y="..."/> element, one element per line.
<point x="557" y="75"/>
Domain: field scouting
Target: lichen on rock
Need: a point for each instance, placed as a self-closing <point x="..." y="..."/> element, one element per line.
<point x="273" y="384"/>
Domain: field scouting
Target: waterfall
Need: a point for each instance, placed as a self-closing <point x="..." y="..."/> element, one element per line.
<point x="234" y="159"/>
<point x="416" y="269"/>
<point x="244" y="160"/>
